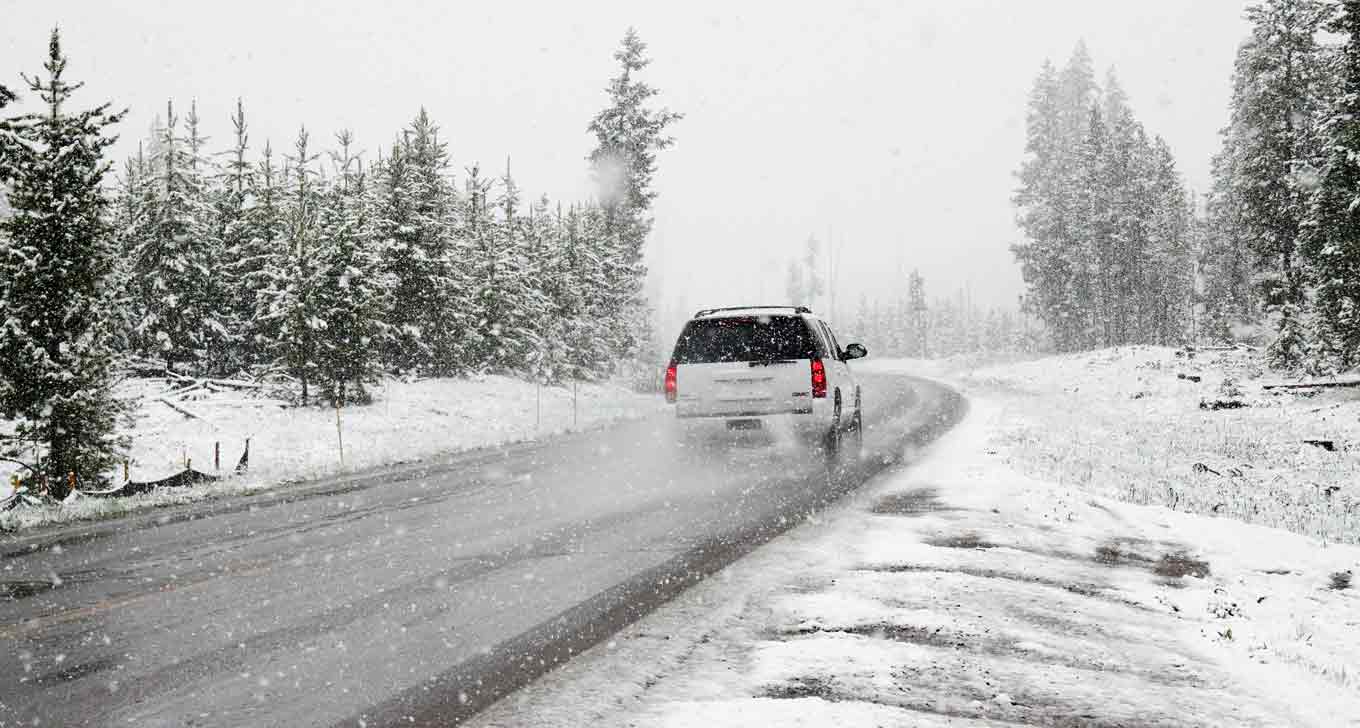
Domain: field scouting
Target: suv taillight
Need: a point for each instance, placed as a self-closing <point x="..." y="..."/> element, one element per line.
<point x="670" y="382"/>
<point x="818" y="379"/>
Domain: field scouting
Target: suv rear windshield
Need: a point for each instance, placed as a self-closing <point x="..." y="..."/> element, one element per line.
<point x="754" y="338"/>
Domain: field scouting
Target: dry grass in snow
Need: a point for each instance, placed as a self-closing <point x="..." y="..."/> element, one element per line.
<point x="1128" y="423"/>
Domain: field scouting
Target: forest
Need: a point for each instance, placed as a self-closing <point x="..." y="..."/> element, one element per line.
<point x="1116" y="251"/>
<point x="307" y="262"/>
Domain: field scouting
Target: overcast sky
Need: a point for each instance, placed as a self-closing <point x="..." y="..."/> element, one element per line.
<point x="892" y="128"/>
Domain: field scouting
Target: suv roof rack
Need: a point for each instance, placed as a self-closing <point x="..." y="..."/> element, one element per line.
<point x="710" y="311"/>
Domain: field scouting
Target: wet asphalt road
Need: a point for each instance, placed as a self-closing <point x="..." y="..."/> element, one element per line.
<point x="412" y="595"/>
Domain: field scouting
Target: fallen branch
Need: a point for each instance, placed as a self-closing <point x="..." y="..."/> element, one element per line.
<point x="187" y="413"/>
<point x="246" y="403"/>
<point x="1313" y="385"/>
<point x="235" y="384"/>
<point x="184" y="390"/>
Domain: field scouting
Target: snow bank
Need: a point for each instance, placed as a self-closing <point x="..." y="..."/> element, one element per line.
<point x="408" y="421"/>
<point x="1131" y="423"/>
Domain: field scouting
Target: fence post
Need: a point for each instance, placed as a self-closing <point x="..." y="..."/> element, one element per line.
<point x="339" y="434"/>
<point x="217" y="456"/>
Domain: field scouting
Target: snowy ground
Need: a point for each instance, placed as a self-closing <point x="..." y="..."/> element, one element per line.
<point x="409" y="421"/>
<point x="963" y="592"/>
<point x="1128" y="423"/>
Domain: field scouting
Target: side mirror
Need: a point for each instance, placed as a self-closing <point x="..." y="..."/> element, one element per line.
<point x="854" y="351"/>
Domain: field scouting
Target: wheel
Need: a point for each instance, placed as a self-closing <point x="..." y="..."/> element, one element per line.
<point x="857" y="429"/>
<point x="834" y="436"/>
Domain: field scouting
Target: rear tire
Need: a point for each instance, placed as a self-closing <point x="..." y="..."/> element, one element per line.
<point x="833" y="439"/>
<point x="856" y="444"/>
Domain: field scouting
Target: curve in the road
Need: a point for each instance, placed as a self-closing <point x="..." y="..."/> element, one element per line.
<point x="415" y="595"/>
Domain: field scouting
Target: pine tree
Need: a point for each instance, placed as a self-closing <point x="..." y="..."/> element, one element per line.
<point x="1166" y="288"/>
<point x="291" y="297"/>
<point x="1226" y="264"/>
<point x="1123" y="258"/>
<point x="128" y="194"/>
<point x="1084" y="314"/>
<point x="1106" y="257"/>
<point x="919" y="311"/>
<point x="1271" y="137"/>
<point x="596" y="336"/>
<point x="1040" y="204"/>
<point x="1055" y="204"/>
<point x="520" y="301"/>
<point x="261" y="246"/>
<point x="242" y="263"/>
<point x="628" y="134"/>
<point x="413" y="220"/>
<point x="549" y="361"/>
<point x="57" y="360"/>
<point x="1333" y="244"/>
<point x="490" y="304"/>
<point x="218" y="334"/>
<point x="7" y="97"/>
<point x="177" y="318"/>
<point x="349" y="301"/>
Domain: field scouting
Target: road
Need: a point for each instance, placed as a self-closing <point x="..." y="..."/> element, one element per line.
<point x="412" y="595"/>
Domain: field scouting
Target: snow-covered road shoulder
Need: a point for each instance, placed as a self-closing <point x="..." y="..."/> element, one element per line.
<point x="960" y="592"/>
<point x="408" y="422"/>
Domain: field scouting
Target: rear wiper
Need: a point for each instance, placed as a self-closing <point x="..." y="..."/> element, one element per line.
<point x="768" y="362"/>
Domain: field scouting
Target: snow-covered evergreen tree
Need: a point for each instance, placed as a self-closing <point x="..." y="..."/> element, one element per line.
<point x="7" y="162"/>
<point x="1226" y="263"/>
<point x="262" y="242"/>
<point x="291" y="302"/>
<point x="1091" y="241"/>
<point x="595" y="338"/>
<point x="490" y="300"/>
<point x="175" y="257"/>
<point x="550" y="361"/>
<point x="919" y="323"/>
<point x="127" y="206"/>
<point x="1123" y="257"/>
<point x="1166" y="290"/>
<point x="1106" y="258"/>
<point x="349" y="301"/>
<point x="57" y="359"/>
<point x="1271" y="139"/>
<point x="242" y="263"/>
<point x="1333" y="244"/>
<point x="218" y="339"/>
<point x="628" y="134"/>
<point x="1041" y="207"/>
<point x="413" y="217"/>
<point x="1056" y="258"/>
<point x="512" y="301"/>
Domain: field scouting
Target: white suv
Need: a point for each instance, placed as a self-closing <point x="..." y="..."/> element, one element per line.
<point x="747" y="365"/>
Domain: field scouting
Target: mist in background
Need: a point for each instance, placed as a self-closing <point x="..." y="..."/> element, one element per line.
<point x="889" y="133"/>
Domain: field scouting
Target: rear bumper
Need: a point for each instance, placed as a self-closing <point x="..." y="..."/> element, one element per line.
<point x="815" y="409"/>
<point x="737" y="415"/>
